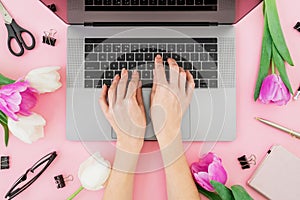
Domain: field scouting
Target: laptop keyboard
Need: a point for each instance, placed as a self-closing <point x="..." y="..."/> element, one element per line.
<point x="104" y="58"/>
<point x="151" y="5"/>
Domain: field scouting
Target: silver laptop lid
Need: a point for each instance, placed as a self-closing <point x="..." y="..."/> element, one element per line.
<point x="216" y="11"/>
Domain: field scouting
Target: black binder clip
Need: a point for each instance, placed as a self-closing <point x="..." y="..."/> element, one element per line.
<point x="297" y="26"/>
<point x="61" y="181"/>
<point x="48" y="37"/>
<point x="4" y="162"/>
<point x="247" y="162"/>
<point x="52" y="7"/>
<point x="297" y="93"/>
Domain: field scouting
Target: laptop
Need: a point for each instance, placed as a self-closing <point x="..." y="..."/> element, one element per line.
<point x="105" y="36"/>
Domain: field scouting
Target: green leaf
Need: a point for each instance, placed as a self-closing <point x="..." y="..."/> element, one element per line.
<point x="279" y="63"/>
<point x="4" y="80"/>
<point x="265" y="58"/>
<point x="276" y="31"/>
<point x="224" y="192"/>
<point x="3" y="122"/>
<point x="209" y="195"/>
<point x="240" y="193"/>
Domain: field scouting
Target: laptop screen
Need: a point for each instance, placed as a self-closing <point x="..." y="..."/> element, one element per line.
<point x="216" y="11"/>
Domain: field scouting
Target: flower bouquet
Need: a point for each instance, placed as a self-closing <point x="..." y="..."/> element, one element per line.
<point x="210" y="177"/>
<point x="18" y="97"/>
<point x="273" y="88"/>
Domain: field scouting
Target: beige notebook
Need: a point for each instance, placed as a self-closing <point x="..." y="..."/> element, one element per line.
<point x="278" y="175"/>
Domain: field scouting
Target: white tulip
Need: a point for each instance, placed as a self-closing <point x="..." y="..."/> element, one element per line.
<point x="27" y="128"/>
<point x="94" y="172"/>
<point x="44" y="79"/>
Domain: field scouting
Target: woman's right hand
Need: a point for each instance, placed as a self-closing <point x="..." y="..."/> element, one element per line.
<point x="169" y="99"/>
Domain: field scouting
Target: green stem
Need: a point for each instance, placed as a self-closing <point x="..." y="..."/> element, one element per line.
<point x="4" y="80"/>
<point x="75" y="193"/>
<point x="273" y="67"/>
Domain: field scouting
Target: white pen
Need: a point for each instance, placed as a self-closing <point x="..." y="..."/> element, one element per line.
<point x="282" y="128"/>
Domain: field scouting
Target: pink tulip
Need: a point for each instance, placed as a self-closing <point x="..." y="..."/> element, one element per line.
<point x="17" y="98"/>
<point x="209" y="168"/>
<point x="274" y="90"/>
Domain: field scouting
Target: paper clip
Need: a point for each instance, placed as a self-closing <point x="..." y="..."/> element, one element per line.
<point x="52" y="7"/>
<point x="297" y="93"/>
<point x="61" y="181"/>
<point x="48" y="37"/>
<point x="247" y="162"/>
<point x="297" y="26"/>
<point x="4" y="162"/>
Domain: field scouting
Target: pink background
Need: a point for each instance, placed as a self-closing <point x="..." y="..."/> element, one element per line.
<point x="253" y="137"/>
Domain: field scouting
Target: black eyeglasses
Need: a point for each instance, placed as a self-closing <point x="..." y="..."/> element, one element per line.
<point x="46" y="161"/>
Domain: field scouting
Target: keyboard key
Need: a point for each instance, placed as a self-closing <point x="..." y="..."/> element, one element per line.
<point x="123" y="65"/>
<point x="132" y="65"/>
<point x="149" y="57"/>
<point x="114" y="65"/>
<point x="196" y="83"/>
<point x="189" y="2"/>
<point x="166" y="56"/>
<point x="107" y="2"/>
<point x="210" y="2"/>
<point x="116" y="47"/>
<point x="107" y="82"/>
<point x="194" y="56"/>
<point x="150" y="65"/>
<point x="197" y="65"/>
<point x="139" y="57"/>
<point x="129" y="56"/>
<point x="98" y="2"/>
<point x="102" y="56"/>
<point x="213" y="57"/>
<point x="162" y="2"/>
<point x="97" y="83"/>
<point x="209" y="65"/>
<point x="211" y="47"/>
<point x="147" y="83"/>
<point x="88" y="83"/>
<point x="203" y="56"/>
<point x="203" y="83"/>
<point x="88" y="48"/>
<point x="98" y="47"/>
<point x="194" y="74"/>
<point x="121" y="57"/>
<point x="109" y="74"/>
<point x="111" y="56"/>
<point x="143" y="2"/>
<point x="208" y="74"/>
<point x="162" y="48"/>
<point x="171" y="48"/>
<point x="185" y="56"/>
<point x="93" y="74"/>
<point x="104" y="65"/>
<point x="198" y="48"/>
<point x="141" y="65"/>
<point x="152" y="47"/>
<point x="91" y="66"/>
<point x="190" y="48"/>
<point x="153" y="2"/>
<point x="213" y="83"/>
<point x="176" y="56"/>
<point x="146" y="75"/>
<point x="180" y="2"/>
<point x="107" y="48"/>
<point x="125" y="47"/>
<point x="135" y="2"/>
<point x="91" y="57"/>
<point x="198" y="2"/>
<point x="187" y="65"/>
<point x="171" y="2"/>
<point x="117" y="2"/>
<point x="143" y="47"/>
<point x="135" y="48"/>
<point x="88" y="2"/>
<point x="180" y="48"/>
<point x="180" y="64"/>
<point x="118" y="72"/>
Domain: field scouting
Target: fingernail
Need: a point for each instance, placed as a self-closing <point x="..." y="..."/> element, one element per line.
<point x="123" y="71"/>
<point x="158" y="56"/>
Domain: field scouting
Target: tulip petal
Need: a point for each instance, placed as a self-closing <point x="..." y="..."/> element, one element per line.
<point x="217" y="172"/>
<point x="203" y="180"/>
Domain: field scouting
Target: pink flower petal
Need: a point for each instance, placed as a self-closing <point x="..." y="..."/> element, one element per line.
<point x="203" y="180"/>
<point x="217" y="172"/>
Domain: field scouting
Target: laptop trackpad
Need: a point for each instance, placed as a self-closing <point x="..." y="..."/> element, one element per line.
<point x="185" y="126"/>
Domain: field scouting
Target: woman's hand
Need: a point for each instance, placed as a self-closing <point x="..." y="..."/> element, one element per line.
<point x="169" y="100"/>
<point x="125" y="111"/>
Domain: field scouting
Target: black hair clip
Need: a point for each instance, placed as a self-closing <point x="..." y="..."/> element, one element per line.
<point x="246" y="162"/>
<point x="297" y="26"/>
<point x="4" y="162"/>
<point x="48" y="37"/>
<point x="61" y="181"/>
<point x="52" y="7"/>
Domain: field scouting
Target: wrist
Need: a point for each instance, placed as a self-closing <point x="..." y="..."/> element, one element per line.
<point x="125" y="161"/>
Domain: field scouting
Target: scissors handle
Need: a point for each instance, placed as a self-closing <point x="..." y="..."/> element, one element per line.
<point x="15" y="32"/>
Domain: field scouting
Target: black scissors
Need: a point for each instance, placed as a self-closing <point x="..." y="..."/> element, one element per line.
<point x="15" y="32"/>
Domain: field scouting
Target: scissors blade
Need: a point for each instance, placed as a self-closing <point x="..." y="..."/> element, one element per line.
<point x="6" y="16"/>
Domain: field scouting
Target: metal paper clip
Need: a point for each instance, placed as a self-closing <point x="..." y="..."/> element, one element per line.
<point x="61" y="181"/>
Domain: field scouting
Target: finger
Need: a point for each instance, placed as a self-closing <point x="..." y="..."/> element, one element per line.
<point x="174" y="71"/>
<point x="133" y="84"/>
<point x="112" y="91"/>
<point x="121" y="91"/>
<point x="153" y="87"/>
<point x="181" y="69"/>
<point x="190" y="85"/>
<point x="182" y="82"/>
<point x="102" y="99"/>
<point x="139" y="96"/>
<point x="160" y="70"/>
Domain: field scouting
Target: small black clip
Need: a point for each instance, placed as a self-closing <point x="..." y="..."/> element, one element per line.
<point x="246" y="162"/>
<point x="52" y="7"/>
<point x="61" y="181"/>
<point x="297" y="26"/>
<point x="4" y="162"/>
<point x="48" y="37"/>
